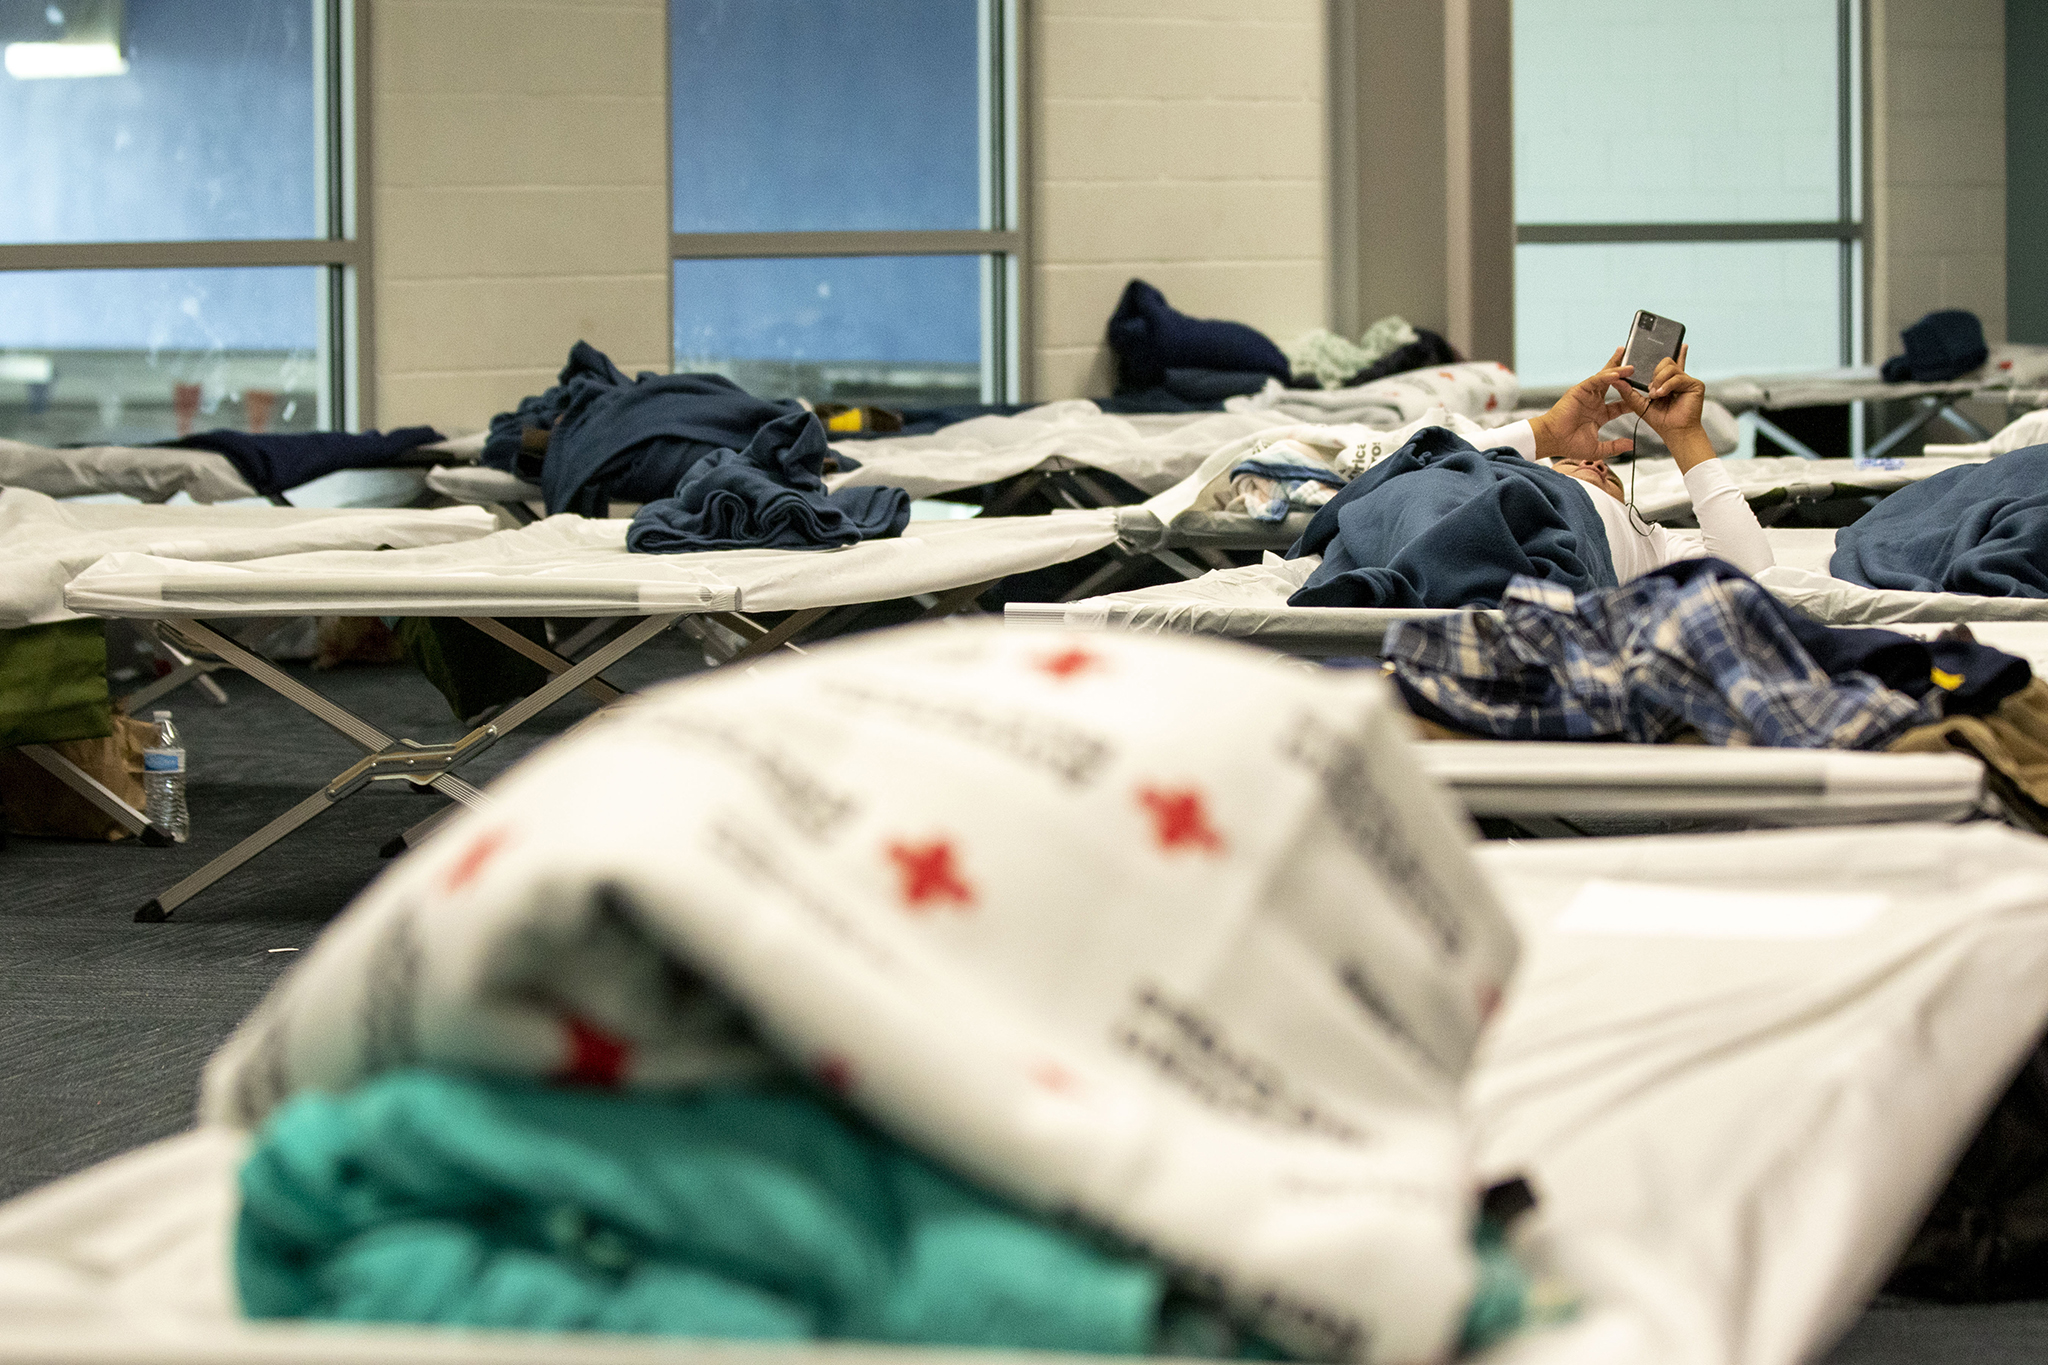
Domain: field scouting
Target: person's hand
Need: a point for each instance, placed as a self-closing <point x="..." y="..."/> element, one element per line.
<point x="1674" y="401"/>
<point x="1571" y="429"/>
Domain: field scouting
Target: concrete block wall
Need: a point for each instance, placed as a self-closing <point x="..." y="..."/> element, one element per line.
<point x="1182" y="142"/>
<point x="519" y="198"/>
<point x="1938" y="164"/>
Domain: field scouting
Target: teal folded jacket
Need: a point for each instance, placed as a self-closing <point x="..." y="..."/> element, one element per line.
<point x="757" y="1213"/>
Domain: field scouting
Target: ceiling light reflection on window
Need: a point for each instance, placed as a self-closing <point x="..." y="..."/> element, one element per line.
<point x="46" y="61"/>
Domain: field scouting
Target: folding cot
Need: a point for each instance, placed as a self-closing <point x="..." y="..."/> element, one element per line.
<point x="45" y="543"/>
<point x="159" y="473"/>
<point x="1734" y="1074"/>
<point x="562" y="567"/>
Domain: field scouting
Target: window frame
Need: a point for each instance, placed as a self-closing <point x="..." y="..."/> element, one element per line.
<point x="1849" y="228"/>
<point x="1004" y="247"/>
<point x="340" y="75"/>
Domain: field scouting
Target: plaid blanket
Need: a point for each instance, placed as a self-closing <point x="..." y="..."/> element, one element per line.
<point x="1697" y="645"/>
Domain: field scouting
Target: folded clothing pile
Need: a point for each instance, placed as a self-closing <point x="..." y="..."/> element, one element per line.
<point x="274" y="464"/>
<point x="1388" y="347"/>
<point x="1158" y="1018"/>
<point x="1187" y="361"/>
<point x="769" y="495"/>
<point x="1693" y="648"/>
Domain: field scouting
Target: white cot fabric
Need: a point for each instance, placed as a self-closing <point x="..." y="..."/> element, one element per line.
<point x="145" y="473"/>
<point x="1152" y="452"/>
<point x="578" y="566"/>
<point x="45" y="544"/>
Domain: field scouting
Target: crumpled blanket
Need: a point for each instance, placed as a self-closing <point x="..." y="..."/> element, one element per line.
<point x="1333" y="361"/>
<point x="273" y="464"/>
<point x="1270" y="489"/>
<point x="1697" y="646"/>
<point x="598" y="436"/>
<point x="755" y="1212"/>
<point x="770" y="495"/>
<point x="1980" y="529"/>
<point x="1441" y="524"/>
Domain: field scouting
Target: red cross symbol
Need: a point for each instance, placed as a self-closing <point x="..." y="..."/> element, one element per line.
<point x="472" y="858"/>
<point x="835" y="1073"/>
<point x="595" y="1057"/>
<point x="1053" y="1076"/>
<point x="1180" y="819"/>
<point x="930" y="874"/>
<point x="1068" y="663"/>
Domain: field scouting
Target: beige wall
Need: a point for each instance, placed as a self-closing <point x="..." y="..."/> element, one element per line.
<point x="1938" y="164"/>
<point x="1182" y="142"/>
<point x="519" y="198"/>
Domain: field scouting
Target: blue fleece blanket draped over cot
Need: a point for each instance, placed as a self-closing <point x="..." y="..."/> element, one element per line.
<point x="1441" y="524"/>
<point x="1979" y="529"/>
<point x="770" y="495"/>
<point x="272" y="464"/>
<point x="606" y="436"/>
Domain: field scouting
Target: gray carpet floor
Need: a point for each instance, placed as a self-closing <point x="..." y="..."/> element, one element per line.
<point x="105" y="1023"/>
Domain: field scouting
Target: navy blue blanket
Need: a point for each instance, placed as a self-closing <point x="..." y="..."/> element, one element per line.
<point x="769" y="495"/>
<point x="1979" y="529"/>
<point x="1150" y="336"/>
<point x="273" y="464"/>
<point x="598" y="435"/>
<point x="1441" y="524"/>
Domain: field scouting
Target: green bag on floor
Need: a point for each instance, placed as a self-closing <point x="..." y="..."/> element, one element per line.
<point x="53" y="683"/>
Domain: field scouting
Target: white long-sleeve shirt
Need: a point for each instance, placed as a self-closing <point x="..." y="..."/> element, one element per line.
<point x="1728" y="529"/>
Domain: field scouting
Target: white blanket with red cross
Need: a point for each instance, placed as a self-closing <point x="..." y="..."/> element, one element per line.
<point x="1156" y="934"/>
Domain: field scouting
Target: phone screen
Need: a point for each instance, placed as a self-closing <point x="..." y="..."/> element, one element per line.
<point x="1650" y="339"/>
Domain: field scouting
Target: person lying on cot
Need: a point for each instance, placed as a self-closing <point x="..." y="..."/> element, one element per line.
<point x="1443" y="523"/>
<point x="1568" y="438"/>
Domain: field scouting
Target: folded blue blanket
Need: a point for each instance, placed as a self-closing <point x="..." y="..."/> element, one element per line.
<point x="1441" y="524"/>
<point x="1979" y="529"/>
<point x="744" y="1212"/>
<point x="770" y="495"/>
<point x="1151" y="338"/>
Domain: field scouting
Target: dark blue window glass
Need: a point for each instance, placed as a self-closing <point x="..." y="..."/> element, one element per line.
<point x="826" y="115"/>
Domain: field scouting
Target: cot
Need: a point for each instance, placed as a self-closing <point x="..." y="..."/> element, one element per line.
<point x="159" y="473"/>
<point x="1734" y="1074"/>
<point x="563" y="567"/>
<point x="45" y="543"/>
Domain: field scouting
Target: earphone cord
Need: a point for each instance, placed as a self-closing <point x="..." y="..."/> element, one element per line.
<point x="1635" y="518"/>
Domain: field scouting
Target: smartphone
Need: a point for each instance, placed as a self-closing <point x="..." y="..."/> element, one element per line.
<point x="1650" y="339"/>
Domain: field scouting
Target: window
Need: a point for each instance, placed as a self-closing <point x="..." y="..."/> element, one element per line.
<point x="177" y="203"/>
<point x="1698" y="162"/>
<point x="843" y="191"/>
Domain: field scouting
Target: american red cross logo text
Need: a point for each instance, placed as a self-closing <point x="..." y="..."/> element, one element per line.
<point x="1180" y="819"/>
<point x="929" y="874"/>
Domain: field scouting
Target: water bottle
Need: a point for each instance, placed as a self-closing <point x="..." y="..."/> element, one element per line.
<point x="163" y="781"/>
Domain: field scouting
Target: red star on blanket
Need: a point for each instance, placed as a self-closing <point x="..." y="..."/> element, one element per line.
<point x="1180" y="819"/>
<point x="1069" y="663"/>
<point x="595" y="1057"/>
<point x="930" y="874"/>
<point x="835" y="1073"/>
<point x="472" y="858"/>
